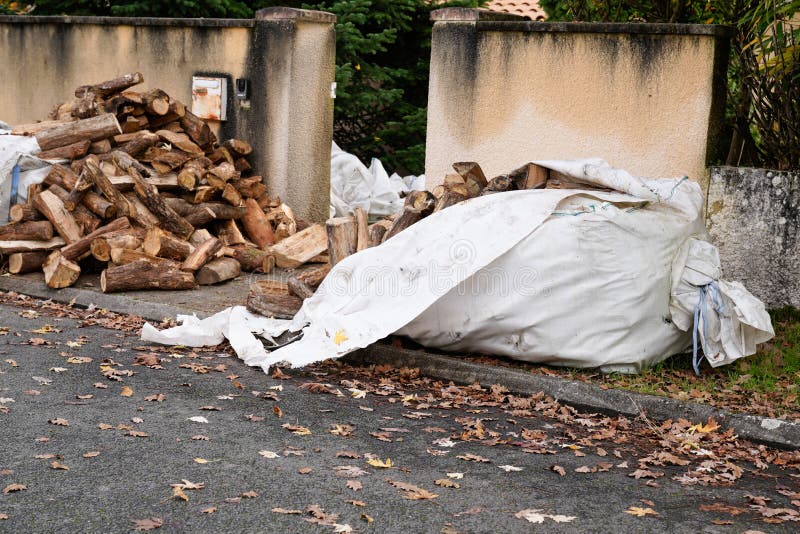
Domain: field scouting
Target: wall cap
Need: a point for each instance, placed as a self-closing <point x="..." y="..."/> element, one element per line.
<point x="290" y="13"/>
<point x="491" y="21"/>
<point x="128" y="21"/>
<point x="465" y="14"/>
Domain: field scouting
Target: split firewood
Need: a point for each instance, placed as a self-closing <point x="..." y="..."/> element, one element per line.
<point x="268" y="264"/>
<point x="498" y="184"/>
<point x="143" y="274"/>
<point x="163" y="244"/>
<point x="156" y="102"/>
<point x="201" y="254"/>
<point x="93" y="129"/>
<point x="130" y="239"/>
<point x="27" y="231"/>
<point x="75" y="150"/>
<point x="204" y="193"/>
<point x="199" y="236"/>
<point x="237" y="146"/>
<point x="99" y="205"/>
<point x="12" y="247"/>
<point x="122" y="256"/>
<point x="24" y="212"/>
<point x="313" y="276"/>
<point x="197" y="129"/>
<point x="272" y="298"/>
<point x="451" y="195"/>
<point x="422" y="200"/>
<point x="250" y="258"/>
<point x="242" y="165"/>
<point x="218" y="270"/>
<point x="377" y="231"/>
<point x="53" y="209"/>
<point x="407" y="218"/>
<point x="221" y="155"/>
<point x="26" y="262"/>
<point x="299" y="248"/>
<point x="251" y="187"/>
<point x="299" y="288"/>
<point x="230" y="194"/>
<point x="180" y="141"/>
<point x="257" y="226"/>
<point x="529" y="176"/>
<point x="78" y="191"/>
<point x="471" y="171"/>
<point x="110" y="87"/>
<point x="80" y="248"/>
<point x="102" y="182"/>
<point x="168" y="161"/>
<point x="342" y="238"/>
<point x="36" y="127"/>
<point x="60" y="272"/>
<point x="229" y="233"/>
<point x="149" y="195"/>
<point x="139" y="144"/>
<point x="139" y="212"/>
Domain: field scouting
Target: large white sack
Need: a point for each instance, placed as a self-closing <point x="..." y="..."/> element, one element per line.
<point x="567" y="277"/>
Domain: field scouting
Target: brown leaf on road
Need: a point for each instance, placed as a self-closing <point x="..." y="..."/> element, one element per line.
<point x="287" y="511"/>
<point x="277" y="374"/>
<point x="177" y="493"/>
<point x="342" y="430"/>
<point x="3" y="517"/>
<point x="127" y="391"/>
<point x="11" y="488"/>
<point x="137" y="434"/>
<point x="209" y="510"/>
<point x="158" y="397"/>
<point x="348" y="471"/>
<point x="58" y="466"/>
<point x="537" y="516"/>
<point x="721" y="507"/>
<point x="200" y="437"/>
<point x="91" y="454"/>
<point x="277" y="411"/>
<point x="296" y="429"/>
<point x="59" y="422"/>
<point x="644" y="473"/>
<point x="641" y="512"/>
<point x="354" y="485"/>
<point x="151" y="523"/>
<point x="254" y="418"/>
<point x="356" y="503"/>
<point x="558" y="469"/>
<point x="187" y="485"/>
<point x="473" y="458"/>
<point x="249" y="494"/>
<point x="316" y="387"/>
<point x="100" y="385"/>
<point x="348" y="454"/>
<point x="304" y="470"/>
<point x="412" y="492"/>
<point x="447" y="483"/>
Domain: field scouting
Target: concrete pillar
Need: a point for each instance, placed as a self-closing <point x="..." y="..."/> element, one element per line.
<point x="292" y="64"/>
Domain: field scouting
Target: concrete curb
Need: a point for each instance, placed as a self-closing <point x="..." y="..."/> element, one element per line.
<point x="773" y="432"/>
<point x="83" y="298"/>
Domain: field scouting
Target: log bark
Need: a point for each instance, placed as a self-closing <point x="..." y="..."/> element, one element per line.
<point x="27" y="231"/>
<point x="140" y="213"/>
<point x="139" y="144"/>
<point x="218" y="270"/>
<point x="448" y="198"/>
<point x="342" y="238"/>
<point x="24" y="212"/>
<point x="529" y="176"/>
<point x="237" y="146"/>
<point x="298" y="288"/>
<point x="122" y="256"/>
<point x="314" y="276"/>
<point x="242" y="165"/>
<point x="61" y="176"/>
<point x="93" y="129"/>
<point x="151" y="198"/>
<point x="99" y="205"/>
<point x="143" y="274"/>
<point x="406" y="219"/>
<point x="469" y="170"/>
<point x="59" y="272"/>
<point x="229" y="233"/>
<point x="362" y="229"/>
<point x="168" y="161"/>
<point x="156" y="102"/>
<point x="301" y="247"/>
<point x="79" y="248"/>
<point x="110" y="87"/>
<point x="100" y="147"/>
<point x="204" y="193"/>
<point x="199" y="236"/>
<point x="201" y="255"/>
<point x="272" y="299"/>
<point x="75" y="150"/>
<point x="257" y="226"/>
<point x="77" y="193"/>
<point x="36" y="127"/>
<point x="250" y="258"/>
<point x="103" y="183"/>
<point x="377" y="231"/>
<point x="53" y="209"/>
<point x="26" y="262"/>
<point x="251" y="187"/>
<point x="102" y="246"/>
<point x="423" y="200"/>
<point x="180" y="141"/>
<point x="498" y="184"/>
<point x="161" y="243"/>
<point x="197" y="129"/>
<point x="230" y="194"/>
<point x="268" y="264"/>
<point x="11" y="247"/>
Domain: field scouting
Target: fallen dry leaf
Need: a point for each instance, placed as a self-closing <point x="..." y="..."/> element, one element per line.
<point x="200" y="437"/>
<point x="447" y="483"/>
<point x="354" y="485"/>
<point x="58" y="466"/>
<point x="11" y="488"/>
<point x="209" y="510"/>
<point x="473" y="458"/>
<point x="177" y="493"/>
<point x="339" y="337"/>
<point x="59" y="422"/>
<point x="509" y="468"/>
<point x="91" y="454"/>
<point x="641" y="512"/>
<point x="348" y="471"/>
<point x="158" y="397"/>
<point x="296" y="429"/>
<point x="3" y="517"/>
<point x="560" y="470"/>
<point x="137" y="434"/>
<point x="304" y="470"/>
<point x="249" y="494"/>
<point x="377" y="462"/>
<point x="127" y="391"/>
<point x="198" y="419"/>
<point x="151" y="523"/>
<point x="287" y="511"/>
<point x="268" y="454"/>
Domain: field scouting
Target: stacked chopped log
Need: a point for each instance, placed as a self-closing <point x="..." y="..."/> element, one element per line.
<point x="149" y="192"/>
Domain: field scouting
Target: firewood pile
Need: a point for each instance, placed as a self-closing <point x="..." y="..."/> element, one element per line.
<point x="149" y="197"/>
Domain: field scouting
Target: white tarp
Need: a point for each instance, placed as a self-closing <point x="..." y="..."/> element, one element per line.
<point x="353" y="185"/>
<point x="566" y="277"/>
<point x="18" y="150"/>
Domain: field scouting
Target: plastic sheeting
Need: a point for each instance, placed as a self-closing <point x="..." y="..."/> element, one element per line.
<point x="566" y="277"/>
<point x="18" y="150"/>
<point x="353" y="185"/>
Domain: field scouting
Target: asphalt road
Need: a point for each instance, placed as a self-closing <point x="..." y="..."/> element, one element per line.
<point x="130" y="478"/>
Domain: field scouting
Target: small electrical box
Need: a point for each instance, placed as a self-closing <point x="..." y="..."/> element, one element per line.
<point x="210" y="97"/>
<point x="242" y="89"/>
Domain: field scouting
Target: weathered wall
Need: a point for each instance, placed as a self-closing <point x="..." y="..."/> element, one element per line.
<point x="287" y="54"/>
<point x="642" y="96"/>
<point x="753" y="218"/>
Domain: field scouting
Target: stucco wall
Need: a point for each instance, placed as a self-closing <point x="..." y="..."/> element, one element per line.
<point x="504" y="92"/>
<point x="753" y="218"/>
<point x="287" y="54"/>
